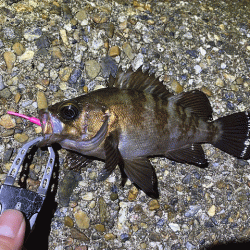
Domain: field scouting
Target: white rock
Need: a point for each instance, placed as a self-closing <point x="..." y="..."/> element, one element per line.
<point x="197" y="69"/>
<point x="202" y="51"/>
<point x="223" y="65"/>
<point x="88" y="196"/>
<point x="138" y="61"/>
<point x="40" y="66"/>
<point x="123" y="215"/>
<point x="53" y="74"/>
<point x="64" y="37"/>
<point x="174" y="226"/>
<point x="211" y="211"/>
<point x="27" y="55"/>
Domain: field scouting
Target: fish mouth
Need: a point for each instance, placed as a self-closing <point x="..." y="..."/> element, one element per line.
<point x="51" y="128"/>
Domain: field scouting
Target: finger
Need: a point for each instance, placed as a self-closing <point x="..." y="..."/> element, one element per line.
<point x="12" y="230"/>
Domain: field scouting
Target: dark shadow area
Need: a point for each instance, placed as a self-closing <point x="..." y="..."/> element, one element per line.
<point x="38" y="238"/>
<point x="243" y="245"/>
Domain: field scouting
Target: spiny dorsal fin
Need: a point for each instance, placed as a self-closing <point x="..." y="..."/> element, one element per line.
<point x="139" y="81"/>
<point x="196" y="102"/>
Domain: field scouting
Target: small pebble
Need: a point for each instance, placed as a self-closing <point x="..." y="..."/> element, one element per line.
<point x="57" y="53"/>
<point x="176" y="87"/>
<point x="67" y="185"/>
<point x="78" y="235"/>
<point x="2" y="86"/>
<point x="27" y="55"/>
<point x="109" y="236"/>
<point x="186" y="179"/>
<point x="9" y="58"/>
<point x="68" y="222"/>
<point x="5" y="93"/>
<point x="75" y="76"/>
<point x="109" y="66"/>
<point x="65" y="73"/>
<point x="18" y="48"/>
<point x="41" y="100"/>
<point x="188" y="35"/>
<point x="123" y="215"/>
<point x="7" y="155"/>
<point x="82" y="219"/>
<point x="193" y="53"/>
<point x="223" y="66"/>
<point x="109" y="29"/>
<point x="8" y="132"/>
<point x="88" y="196"/>
<point x="40" y="66"/>
<point x="32" y="34"/>
<point x="175" y="227"/>
<point x="102" y="210"/>
<point x="38" y="129"/>
<point x="64" y="37"/>
<point x="21" y="137"/>
<point x="206" y="91"/>
<point x="211" y="211"/>
<point x="154" y="205"/>
<point x="133" y="192"/>
<point x="92" y="68"/>
<point x="124" y="237"/>
<point x="219" y="82"/>
<point x="7" y="122"/>
<point x="197" y="69"/>
<point x="138" y="61"/>
<point x="229" y="77"/>
<point x="100" y="228"/>
<point x="17" y="97"/>
<point x="81" y="15"/>
<point x="113" y="196"/>
<point x="193" y="209"/>
<point x="128" y="51"/>
<point x="239" y="81"/>
<point x="114" y="51"/>
<point x="99" y="18"/>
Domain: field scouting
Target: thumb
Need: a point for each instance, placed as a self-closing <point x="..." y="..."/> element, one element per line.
<point x="12" y="230"/>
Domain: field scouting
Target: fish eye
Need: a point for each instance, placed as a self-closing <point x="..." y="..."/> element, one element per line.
<point x="69" y="112"/>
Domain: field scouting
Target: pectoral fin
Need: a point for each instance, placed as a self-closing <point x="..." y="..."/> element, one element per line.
<point x="76" y="161"/>
<point x="112" y="156"/>
<point x="141" y="172"/>
<point x="192" y="154"/>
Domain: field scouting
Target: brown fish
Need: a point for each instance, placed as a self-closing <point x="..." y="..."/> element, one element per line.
<point x="134" y="118"/>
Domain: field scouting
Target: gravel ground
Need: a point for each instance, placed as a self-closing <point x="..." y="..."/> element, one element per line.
<point x="55" y="50"/>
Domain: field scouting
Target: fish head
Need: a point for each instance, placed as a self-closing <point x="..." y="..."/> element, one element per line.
<point x="72" y="120"/>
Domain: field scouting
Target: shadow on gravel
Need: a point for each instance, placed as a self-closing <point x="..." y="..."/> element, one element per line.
<point x="230" y="245"/>
<point x="38" y="238"/>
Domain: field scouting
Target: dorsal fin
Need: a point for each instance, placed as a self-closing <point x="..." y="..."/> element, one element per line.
<point x="196" y="102"/>
<point x="139" y="81"/>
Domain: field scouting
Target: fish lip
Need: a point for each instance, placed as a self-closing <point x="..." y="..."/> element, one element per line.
<point x="51" y="128"/>
<point x="45" y="120"/>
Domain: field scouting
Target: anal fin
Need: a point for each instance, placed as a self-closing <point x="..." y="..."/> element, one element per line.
<point x="142" y="174"/>
<point x="192" y="154"/>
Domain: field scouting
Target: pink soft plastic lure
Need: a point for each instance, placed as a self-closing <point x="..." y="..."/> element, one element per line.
<point x="31" y="119"/>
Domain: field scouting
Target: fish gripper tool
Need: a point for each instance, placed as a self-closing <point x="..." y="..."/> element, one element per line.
<point x="26" y="201"/>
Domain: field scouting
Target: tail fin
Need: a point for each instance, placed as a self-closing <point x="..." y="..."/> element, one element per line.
<point x="234" y="136"/>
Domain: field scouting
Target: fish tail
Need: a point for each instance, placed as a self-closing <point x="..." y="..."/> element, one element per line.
<point x="234" y="135"/>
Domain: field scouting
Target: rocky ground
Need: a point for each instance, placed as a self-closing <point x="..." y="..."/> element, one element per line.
<point x="55" y="50"/>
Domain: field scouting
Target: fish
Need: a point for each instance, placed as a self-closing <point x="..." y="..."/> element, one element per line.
<point x="135" y="118"/>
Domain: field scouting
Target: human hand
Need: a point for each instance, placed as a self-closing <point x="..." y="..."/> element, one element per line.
<point x="12" y="230"/>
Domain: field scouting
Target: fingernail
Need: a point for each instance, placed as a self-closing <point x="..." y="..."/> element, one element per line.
<point x="10" y="223"/>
